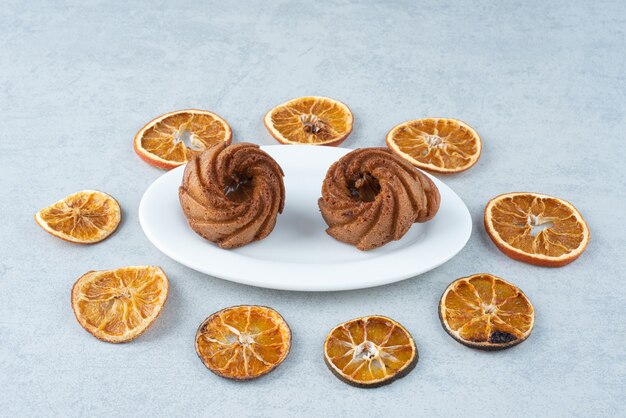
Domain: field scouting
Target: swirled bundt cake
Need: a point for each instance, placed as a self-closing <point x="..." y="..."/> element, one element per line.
<point x="371" y="197"/>
<point x="231" y="195"/>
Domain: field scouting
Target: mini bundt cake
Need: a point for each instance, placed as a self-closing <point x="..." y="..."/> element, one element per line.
<point x="371" y="197"/>
<point x="231" y="195"/>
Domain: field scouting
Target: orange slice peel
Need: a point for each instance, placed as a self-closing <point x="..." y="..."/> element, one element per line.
<point x="311" y="120"/>
<point x="486" y="312"/>
<point x="441" y="145"/>
<point x="370" y="351"/>
<point x="536" y="228"/>
<point x="119" y="305"/>
<point x="243" y="342"/>
<point x="171" y="139"/>
<point x="84" y="217"/>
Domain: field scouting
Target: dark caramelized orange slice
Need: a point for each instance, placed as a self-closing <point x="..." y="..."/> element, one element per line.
<point x="483" y="311"/>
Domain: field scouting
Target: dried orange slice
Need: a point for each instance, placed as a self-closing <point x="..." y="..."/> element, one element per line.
<point x="119" y="305"/>
<point x="436" y="144"/>
<point x="483" y="311"/>
<point x="310" y="120"/>
<point x="243" y="342"/>
<point x="370" y="351"/>
<point x="536" y="228"/>
<point x="172" y="139"/>
<point x="84" y="217"/>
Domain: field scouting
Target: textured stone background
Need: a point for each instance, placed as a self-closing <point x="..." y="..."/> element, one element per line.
<point x="544" y="83"/>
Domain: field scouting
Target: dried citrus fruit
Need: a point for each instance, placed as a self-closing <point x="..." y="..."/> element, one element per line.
<point x="172" y="139"/>
<point x="486" y="312"/>
<point x="370" y="351"/>
<point x="310" y="120"/>
<point x="84" y="217"/>
<point x="536" y="228"/>
<point x="119" y="305"/>
<point x="243" y="342"/>
<point x="436" y="144"/>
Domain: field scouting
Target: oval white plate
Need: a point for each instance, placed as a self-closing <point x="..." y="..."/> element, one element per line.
<point x="298" y="254"/>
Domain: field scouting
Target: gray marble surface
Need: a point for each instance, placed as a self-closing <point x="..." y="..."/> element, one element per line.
<point x="544" y="83"/>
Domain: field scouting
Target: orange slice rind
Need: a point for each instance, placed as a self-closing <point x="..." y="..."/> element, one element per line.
<point x="172" y="139"/>
<point x="85" y="217"/>
<point x="536" y="228"/>
<point x="486" y="312"/>
<point x="311" y="120"/>
<point x="119" y="305"/>
<point x="441" y="145"/>
<point x="370" y="351"/>
<point x="243" y="342"/>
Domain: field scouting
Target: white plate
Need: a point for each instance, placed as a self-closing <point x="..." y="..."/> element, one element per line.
<point x="298" y="254"/>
